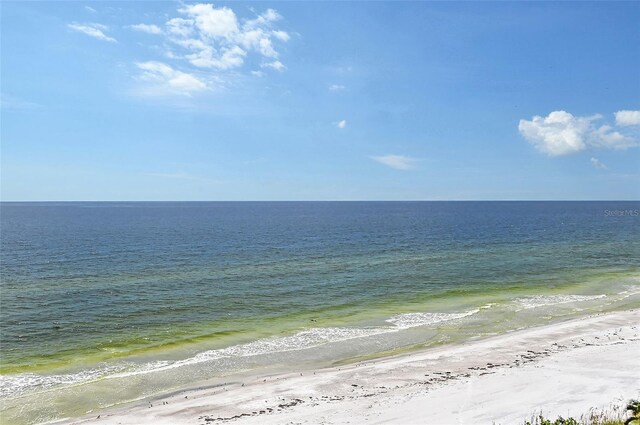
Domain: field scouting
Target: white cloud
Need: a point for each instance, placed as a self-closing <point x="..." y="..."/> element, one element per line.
<point x="266" y="48"/>
<point x="625" y="118"/>
<point x="399" y="162"/>
<point x="166" y="80"/>
<point x="336" y="87"/>
<point x="277" y="65"/>
<point x="599" y="165"/>
<point x="193" y="44"/>
<point x="180" y="27"/>
<point x="215" y="38"/>
<point x="606" y="137"/>
<point x="561" y="133"/>
<point x="342" y="124"/>
<point x="281" y="35"/>
<point x="90" y="9"/>
<point x="265" y="19"/>
<point x="206" y="58"/>
<point x="148" y="28"/>
<point x="93" y="30"/>
<point x="212" y="22"/>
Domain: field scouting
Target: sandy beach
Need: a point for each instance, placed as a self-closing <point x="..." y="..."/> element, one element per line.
<point x="559" y="369"/>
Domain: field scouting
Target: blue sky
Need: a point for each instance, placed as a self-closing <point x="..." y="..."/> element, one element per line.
<point x="320" y="101"/>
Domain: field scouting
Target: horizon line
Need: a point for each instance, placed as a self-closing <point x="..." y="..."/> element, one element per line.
<point x="322" y="200"/>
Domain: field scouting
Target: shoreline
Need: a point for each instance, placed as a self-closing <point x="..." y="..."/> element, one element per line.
<point x="580" y="364"/>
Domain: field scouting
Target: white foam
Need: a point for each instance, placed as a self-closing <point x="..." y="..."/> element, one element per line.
<point x="630" y="291"/>
<point x="411" y="320"/>
<point x="12" y="385"/>
<point x="549" y="300"/>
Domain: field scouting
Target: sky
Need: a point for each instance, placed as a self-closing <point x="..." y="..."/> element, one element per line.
<point x="320" y="101"/>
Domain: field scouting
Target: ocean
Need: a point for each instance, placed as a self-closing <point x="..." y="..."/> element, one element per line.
<point x="103" y="303"/>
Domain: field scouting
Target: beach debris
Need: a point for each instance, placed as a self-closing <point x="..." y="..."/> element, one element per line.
<point x="267" y="410"/>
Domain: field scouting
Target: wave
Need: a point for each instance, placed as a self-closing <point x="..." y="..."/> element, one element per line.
<point x="313" y="338"/>
<point x="13" y="385"/>
<point x="548" y="300"/>
<point x="629" y="291"/>
<point x="411" y="320"/>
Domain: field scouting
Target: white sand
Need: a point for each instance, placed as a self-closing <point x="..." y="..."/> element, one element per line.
<point x="562" y="369"/>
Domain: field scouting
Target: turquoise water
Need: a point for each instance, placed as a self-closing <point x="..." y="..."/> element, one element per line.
<point x="102" y="303"/>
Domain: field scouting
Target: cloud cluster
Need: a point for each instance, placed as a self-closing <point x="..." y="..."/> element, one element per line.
<point x="626" y="118"/>
<point x="214" y="38"/>
<point x="208" y="40"/>
<point x="168" y="80"/>
<point x="93" y="30"/>
<point x="561" y="133"/>
<point x="399" y="162"/>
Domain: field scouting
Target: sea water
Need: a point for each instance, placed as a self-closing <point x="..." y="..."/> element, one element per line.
<point x="103" y="303"/>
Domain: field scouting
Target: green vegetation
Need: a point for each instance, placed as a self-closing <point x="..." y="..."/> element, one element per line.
<point x="541" y="420"/>
<point x="634" y="408"/>
<point x="614" y="416"/>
